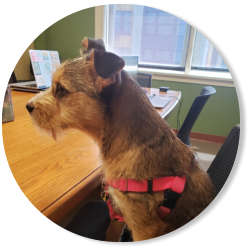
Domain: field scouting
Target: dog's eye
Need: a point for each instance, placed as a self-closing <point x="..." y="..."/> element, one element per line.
<point x="60" y="91"/>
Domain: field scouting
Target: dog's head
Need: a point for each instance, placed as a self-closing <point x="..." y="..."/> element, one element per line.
<point x="74" y="100"/>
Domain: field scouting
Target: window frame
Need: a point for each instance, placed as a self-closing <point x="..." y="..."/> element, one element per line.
<point x="187" y="74"/>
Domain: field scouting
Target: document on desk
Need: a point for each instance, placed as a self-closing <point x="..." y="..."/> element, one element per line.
<point x="158" y="101"/>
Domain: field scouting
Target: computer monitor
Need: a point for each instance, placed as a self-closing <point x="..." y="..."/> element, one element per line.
<point x="131" y="64"/>
<point x="44" y="63"/>
<point x="144" y="79"/>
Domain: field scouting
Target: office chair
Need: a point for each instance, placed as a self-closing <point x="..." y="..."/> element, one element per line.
<point x="91" y="221"/>
<point x="144" y="79"/>
<point x="197" y="106"/>
<point x="224" y="160"/>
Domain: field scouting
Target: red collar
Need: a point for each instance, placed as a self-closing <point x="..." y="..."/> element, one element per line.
<point x="173" y="183"/>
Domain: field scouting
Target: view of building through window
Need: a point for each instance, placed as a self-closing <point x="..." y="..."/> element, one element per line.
<point x="205" y="55"/>
<point x="158" y="38"/>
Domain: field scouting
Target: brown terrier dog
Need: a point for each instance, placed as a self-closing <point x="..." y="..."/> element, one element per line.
<point x="93" y="94"/>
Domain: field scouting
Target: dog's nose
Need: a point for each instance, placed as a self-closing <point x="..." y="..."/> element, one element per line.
<point x="29" y="107"/>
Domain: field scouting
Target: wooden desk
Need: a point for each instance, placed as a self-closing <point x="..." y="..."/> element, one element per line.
<point x="55" y="176"/>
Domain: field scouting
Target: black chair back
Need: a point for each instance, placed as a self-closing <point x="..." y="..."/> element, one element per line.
<point x="196" y="108"/>
<point x="223" y="162"/>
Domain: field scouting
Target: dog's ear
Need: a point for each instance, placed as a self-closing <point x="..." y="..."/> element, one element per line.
<point x="88" y="44"/>
<point x="107" y="65"/>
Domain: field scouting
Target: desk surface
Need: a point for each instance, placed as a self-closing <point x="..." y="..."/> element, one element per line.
<point x="55" y="176"/>
<point x="175" y="97"/>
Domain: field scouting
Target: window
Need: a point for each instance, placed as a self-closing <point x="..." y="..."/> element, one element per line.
<point x="156" y="37"/>
<point x="159" y="39"/>
<point x="205" y="56"/>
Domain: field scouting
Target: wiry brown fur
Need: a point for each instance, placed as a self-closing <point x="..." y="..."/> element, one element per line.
<point x="135" y="142"/>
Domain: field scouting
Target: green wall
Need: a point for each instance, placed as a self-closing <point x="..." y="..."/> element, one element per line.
<point x="220" y="113"/>
<point x="65" y="36"/>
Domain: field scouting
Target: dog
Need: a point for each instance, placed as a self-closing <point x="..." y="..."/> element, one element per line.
<point x="94" y="94"/>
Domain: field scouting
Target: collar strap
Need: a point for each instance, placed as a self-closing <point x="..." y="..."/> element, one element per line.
<point x="174" y="183"/>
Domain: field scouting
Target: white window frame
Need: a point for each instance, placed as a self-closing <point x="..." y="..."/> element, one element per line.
<point x="187" y="76"/>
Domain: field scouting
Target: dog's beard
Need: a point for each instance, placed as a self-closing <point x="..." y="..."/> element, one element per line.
<point x="54" y="132"/>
